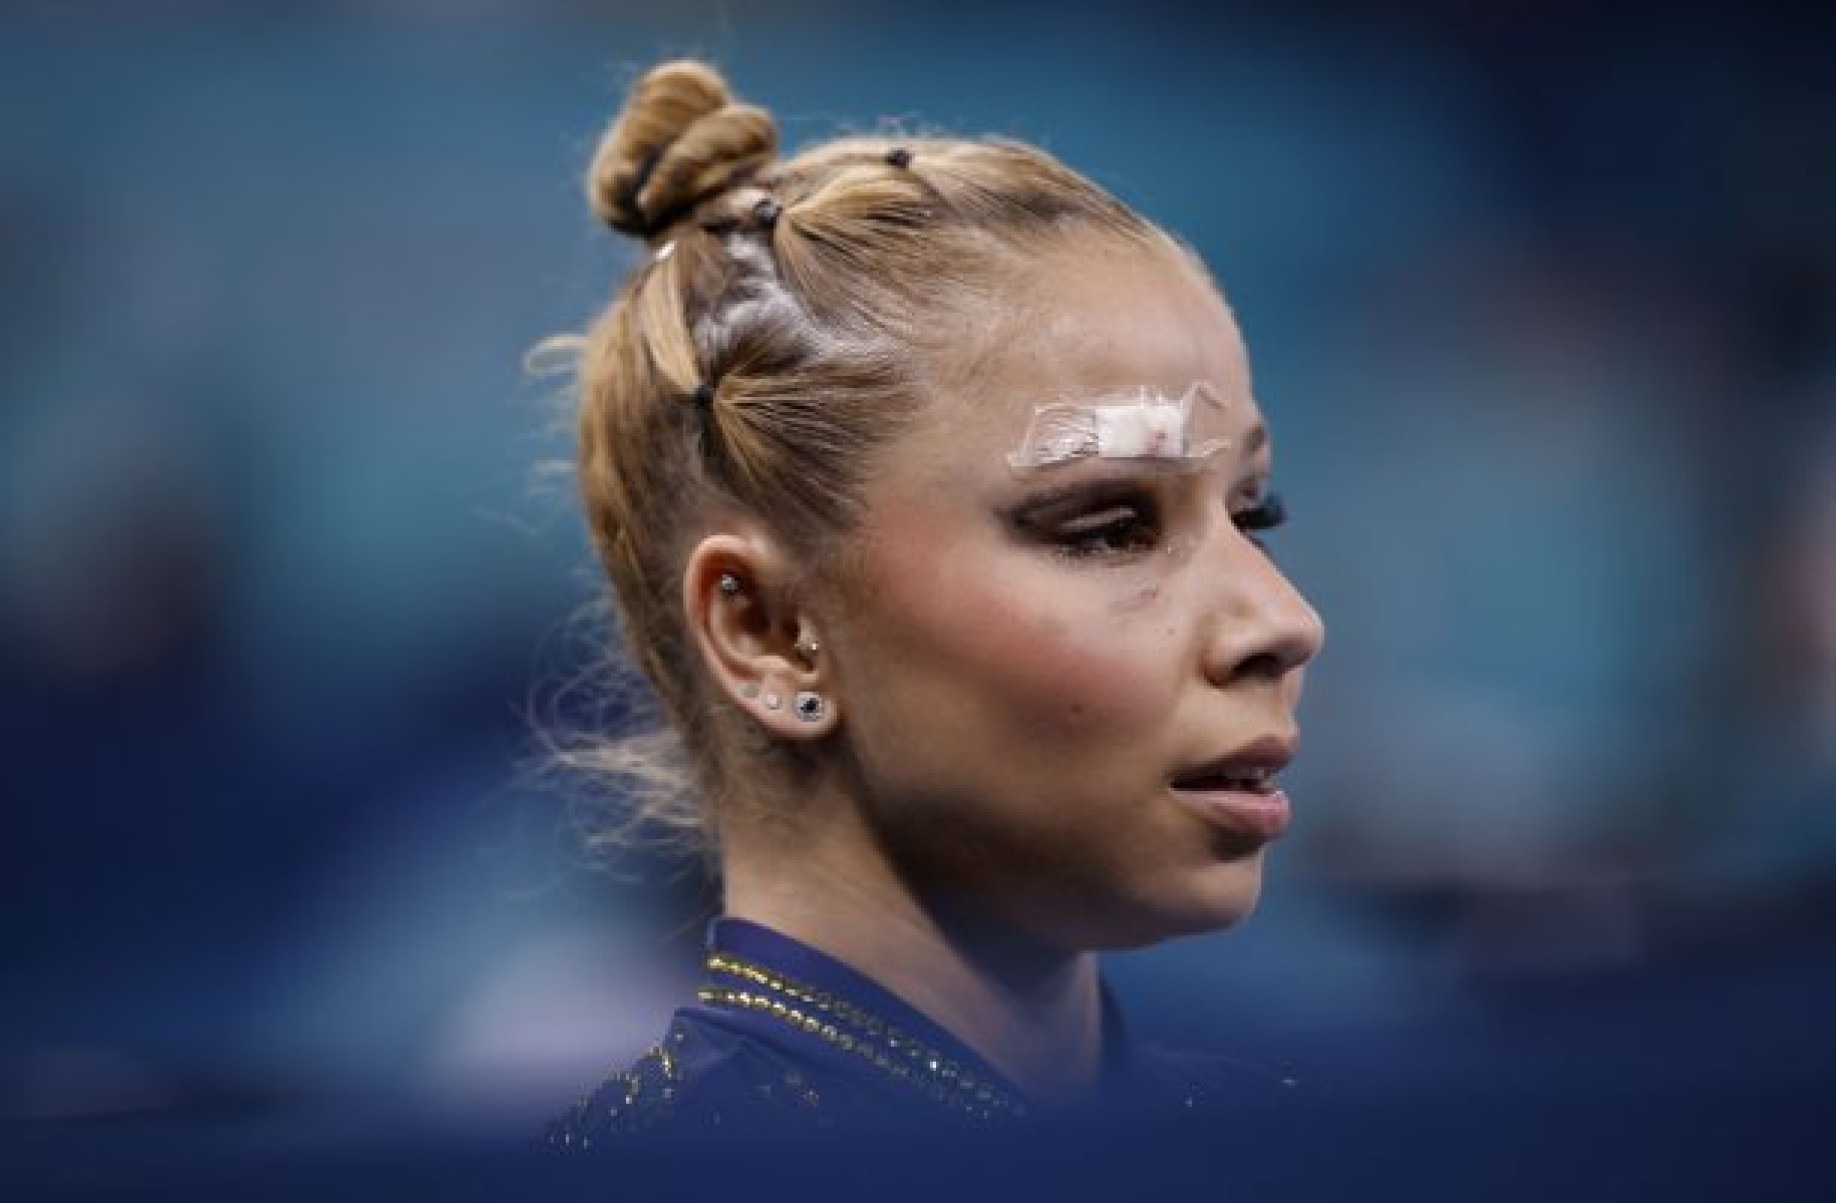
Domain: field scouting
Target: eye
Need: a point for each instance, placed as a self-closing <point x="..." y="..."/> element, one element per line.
<point x="1267" y="513"/>
<point x="1107" y="530"/>
<point x="1106" y="523"/>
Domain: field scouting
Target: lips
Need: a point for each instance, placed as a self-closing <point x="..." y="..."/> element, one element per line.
<point x="1250" y="768"/>
<point x="1236" y="792"/>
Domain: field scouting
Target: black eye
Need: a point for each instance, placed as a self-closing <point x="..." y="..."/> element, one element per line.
<point x="1267" y="514"/>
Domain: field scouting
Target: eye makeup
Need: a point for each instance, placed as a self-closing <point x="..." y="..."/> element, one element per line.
<point x="1107" y="519"/>
<point x="1128" y="512"/>
<point x="1268" y="512"/>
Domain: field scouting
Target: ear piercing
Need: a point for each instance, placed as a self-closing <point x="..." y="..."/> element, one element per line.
<point x="807" y="705"/>
<point x="729" y="585"/>
<point x="808" y="646"/>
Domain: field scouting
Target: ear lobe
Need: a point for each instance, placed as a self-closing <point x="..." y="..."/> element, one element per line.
<point x="756" y="645"/>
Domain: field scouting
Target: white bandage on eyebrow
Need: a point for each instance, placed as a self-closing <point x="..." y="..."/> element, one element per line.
<point x="1143" y="424"/>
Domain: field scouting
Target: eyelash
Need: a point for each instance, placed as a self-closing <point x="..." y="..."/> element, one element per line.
<point x="1135" y="528"/>
<point x="1267" y="514"/>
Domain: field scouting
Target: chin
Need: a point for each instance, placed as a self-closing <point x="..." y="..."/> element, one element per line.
<point x="1221" y="897"/>
<point x="1196" y="922"/>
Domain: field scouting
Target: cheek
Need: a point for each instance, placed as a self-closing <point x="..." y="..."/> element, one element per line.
<point x="1044" y="651"/>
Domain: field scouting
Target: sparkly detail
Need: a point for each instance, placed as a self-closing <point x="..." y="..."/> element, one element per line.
<point x="730" y="1068"/>
<point x="809" y="706"/>
<point x="632" y="1100"/>
<point x="860" y="1032"/>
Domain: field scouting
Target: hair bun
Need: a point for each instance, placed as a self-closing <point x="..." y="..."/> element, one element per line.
<point x="679" y="141"/>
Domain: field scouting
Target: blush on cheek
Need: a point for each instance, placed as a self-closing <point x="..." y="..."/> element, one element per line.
<point x="1043" y="652"/>
<point x="1053" y="674"/>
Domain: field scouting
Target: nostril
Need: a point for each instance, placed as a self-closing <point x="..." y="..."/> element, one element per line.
<point x="1262" y="664"/>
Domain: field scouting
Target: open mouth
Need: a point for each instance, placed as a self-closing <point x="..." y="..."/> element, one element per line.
<point x="1260" y="780"/>
<point x="1237" y="792"/>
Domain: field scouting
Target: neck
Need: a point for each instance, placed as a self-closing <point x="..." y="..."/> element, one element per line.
<point x="1033" y="1012"/>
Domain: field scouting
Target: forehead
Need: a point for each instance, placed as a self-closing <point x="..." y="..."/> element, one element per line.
<point x="1089" y="329"/>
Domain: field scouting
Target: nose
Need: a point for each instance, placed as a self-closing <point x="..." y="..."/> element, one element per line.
<point x="1262" y="626"/>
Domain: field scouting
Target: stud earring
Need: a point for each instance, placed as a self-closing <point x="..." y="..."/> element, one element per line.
<point x="729" y="585"/>
<point x="809" y="706"/>
<point x="809" y="647"/>
<point x="749" y="690"/>
<point x="773" y="702"/>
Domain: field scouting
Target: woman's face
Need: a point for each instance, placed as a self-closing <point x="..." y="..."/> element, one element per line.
<point x="1052" y="679"/>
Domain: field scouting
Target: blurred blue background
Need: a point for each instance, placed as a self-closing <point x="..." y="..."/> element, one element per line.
<point x="1542" y="306"/>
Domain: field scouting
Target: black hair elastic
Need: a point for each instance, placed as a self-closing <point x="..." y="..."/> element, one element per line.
<point x="898" y="156"/>
<point x="628" y="195"/>
<point x="766" y="212"/>
<point x="704" y="396"/>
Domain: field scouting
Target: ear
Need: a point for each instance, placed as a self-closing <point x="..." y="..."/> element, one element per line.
<point x="761" y="649"/>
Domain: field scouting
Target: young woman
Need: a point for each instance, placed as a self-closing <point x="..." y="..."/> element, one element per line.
<point x="930" y="482"/>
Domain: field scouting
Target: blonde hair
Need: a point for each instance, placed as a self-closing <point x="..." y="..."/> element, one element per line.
<point x="792" y="317"/>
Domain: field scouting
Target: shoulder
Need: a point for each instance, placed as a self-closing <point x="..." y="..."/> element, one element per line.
<point x="1187" y="1080"/>
<point x="643" y="1096"/>
<point x="704" y="1079"/>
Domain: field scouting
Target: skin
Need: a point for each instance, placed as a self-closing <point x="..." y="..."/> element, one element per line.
<point x="1018" y="665"/>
